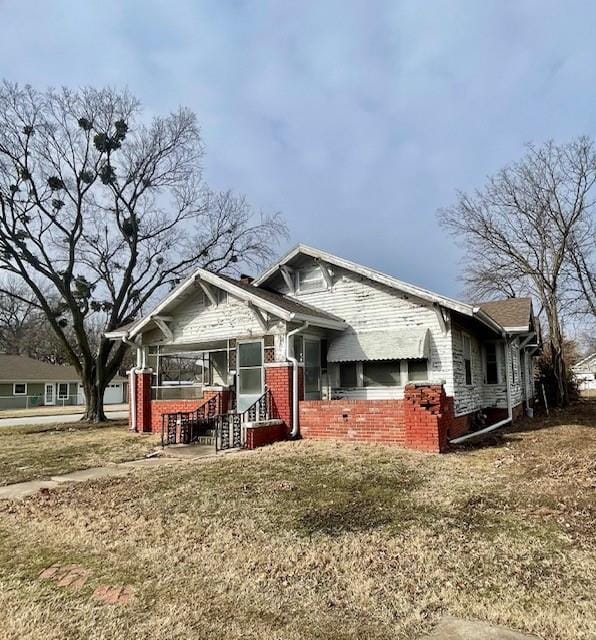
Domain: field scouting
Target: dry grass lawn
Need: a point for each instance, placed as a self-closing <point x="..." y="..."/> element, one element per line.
<point x="304" y="540"/>
<point x="40" y="451"/>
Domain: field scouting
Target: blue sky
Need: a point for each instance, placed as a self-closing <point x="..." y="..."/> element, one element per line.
<point x="357" y="120"/>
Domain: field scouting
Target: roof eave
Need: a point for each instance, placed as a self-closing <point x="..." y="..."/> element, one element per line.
<point x="372" y="274"/>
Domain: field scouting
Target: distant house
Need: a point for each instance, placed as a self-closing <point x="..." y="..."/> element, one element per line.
<point x="584" y="373"/>
<point x="26" y="382"/>
<point x="322" y="347"/>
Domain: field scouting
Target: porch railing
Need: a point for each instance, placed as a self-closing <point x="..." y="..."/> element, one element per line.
<point x="227" y="429"/>
<point x="184" y="427"/>
<point x="230" y="427"/>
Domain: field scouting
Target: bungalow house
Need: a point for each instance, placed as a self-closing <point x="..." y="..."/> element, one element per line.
<point x="321" y="347"/>
<point x="26" y="383"/>
<point x="584" y="373"/>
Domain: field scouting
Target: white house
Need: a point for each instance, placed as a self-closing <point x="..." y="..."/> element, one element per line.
<point x="585" y="373"/>
<point x="338" y="350"/>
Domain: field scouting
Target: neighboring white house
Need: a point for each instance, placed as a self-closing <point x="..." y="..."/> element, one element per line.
<point x="349" y="338"/>
<point x="585" y="373"/>
<point x="26" y="382"/>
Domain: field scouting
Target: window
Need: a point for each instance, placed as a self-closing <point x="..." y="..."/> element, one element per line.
<point x="310" y="279"/>
<point x="513" y="368"/>
<point x="250" y="365"/>
<point x="63" y="390"/>
<point x="348" y="375"/>
<point x="221" y="296"/>
<point x="418" y="370"/>
<point x="383" y="373"/>
<point x="19" y="389"/>
<point x="491" y="363"/>
<point x="467" y="348"/>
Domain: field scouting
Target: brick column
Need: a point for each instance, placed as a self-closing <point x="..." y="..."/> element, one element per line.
<point x="278" y="378"/>
<point x="426" y="417"/>
<point x="143" y="400"/>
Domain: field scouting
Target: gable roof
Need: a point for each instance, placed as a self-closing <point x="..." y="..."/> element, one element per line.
<point x="381" y="278"/>
<point x="513" y="314"/>
<point x="275" y="303"/>
<point x="23" y="369"/>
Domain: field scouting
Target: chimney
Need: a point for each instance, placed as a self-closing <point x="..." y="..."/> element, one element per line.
<point x="246" y="279"/>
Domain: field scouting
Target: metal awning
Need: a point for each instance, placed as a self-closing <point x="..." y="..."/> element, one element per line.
<point x="396" y="344"/>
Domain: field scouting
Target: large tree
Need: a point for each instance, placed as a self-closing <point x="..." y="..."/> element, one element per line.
<point x="102" y="211"/>
<point x="530" y="230"/>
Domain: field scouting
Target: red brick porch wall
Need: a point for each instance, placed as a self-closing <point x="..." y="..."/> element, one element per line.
<point x="266" y="434"/>
<point x="419" y="421"/>
<point x="150" y="412"/>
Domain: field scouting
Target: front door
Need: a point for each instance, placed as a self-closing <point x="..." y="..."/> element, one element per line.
<point x="250" y="374"/>
<point x="49" y="394"/>
<point x="312" y="369"/>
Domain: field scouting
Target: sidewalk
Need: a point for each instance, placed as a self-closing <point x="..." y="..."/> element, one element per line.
<point x="56" y="410"/>
<point x="23" y="489"/>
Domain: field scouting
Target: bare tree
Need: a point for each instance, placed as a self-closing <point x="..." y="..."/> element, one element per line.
<point x="101" y="212"/>
<point x="523" y="231"/>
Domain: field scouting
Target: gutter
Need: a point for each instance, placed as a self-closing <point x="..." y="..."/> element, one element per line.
<point x="295" y="430"/>
<point x="508" y="419"/>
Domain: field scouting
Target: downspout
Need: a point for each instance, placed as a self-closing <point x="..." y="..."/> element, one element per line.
<point x="133" y="383"/>
<point x="292" y="359"/>
<point x="509" y="417"/>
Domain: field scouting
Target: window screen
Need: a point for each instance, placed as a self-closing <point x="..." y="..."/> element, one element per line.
<point x="418" y="370"/>
<point x="384" y="373"/>
<point x="348" y="375"/>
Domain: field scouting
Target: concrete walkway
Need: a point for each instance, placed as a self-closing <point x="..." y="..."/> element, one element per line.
<point x="57" y="418"/>
<point x="456" y="629"/>
<point x="187" y="453"/>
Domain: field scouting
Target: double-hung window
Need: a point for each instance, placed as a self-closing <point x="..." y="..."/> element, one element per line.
<point x="467" y="352"/>
<point x="63" y="390"/>
<point x="348" y="375"/>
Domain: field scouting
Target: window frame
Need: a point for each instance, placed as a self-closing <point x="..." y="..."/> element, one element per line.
<point x="468" y="337"/>
<point x="425" y="360"/>
<point x="498" y="362"/>
<point x="357" y="376"/>
<point x="299" y="289"/>
<point x="261" y="366"/>
<point x="14" y="388"/>
<point x="59" y="396"/>
<point x="382" y="386"/>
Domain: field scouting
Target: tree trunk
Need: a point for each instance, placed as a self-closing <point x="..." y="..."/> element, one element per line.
<point x="94" y="411"/>
<point x="557" y="357"/>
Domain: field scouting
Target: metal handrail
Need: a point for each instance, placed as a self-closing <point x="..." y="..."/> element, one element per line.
<point x="180" y="424"/>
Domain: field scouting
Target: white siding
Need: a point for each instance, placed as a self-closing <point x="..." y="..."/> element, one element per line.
<point x="196" y="321"/>
<point x="367" y="306"/>
<point x="467" y="398"/>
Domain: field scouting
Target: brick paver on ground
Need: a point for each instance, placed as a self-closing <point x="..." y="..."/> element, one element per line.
<point x="456" y="629"/>
<point x="73" y="576"/>
<point x="114" y="594"/>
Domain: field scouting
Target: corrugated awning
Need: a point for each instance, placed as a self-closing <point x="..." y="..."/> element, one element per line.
<point x="394" y="344"/>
